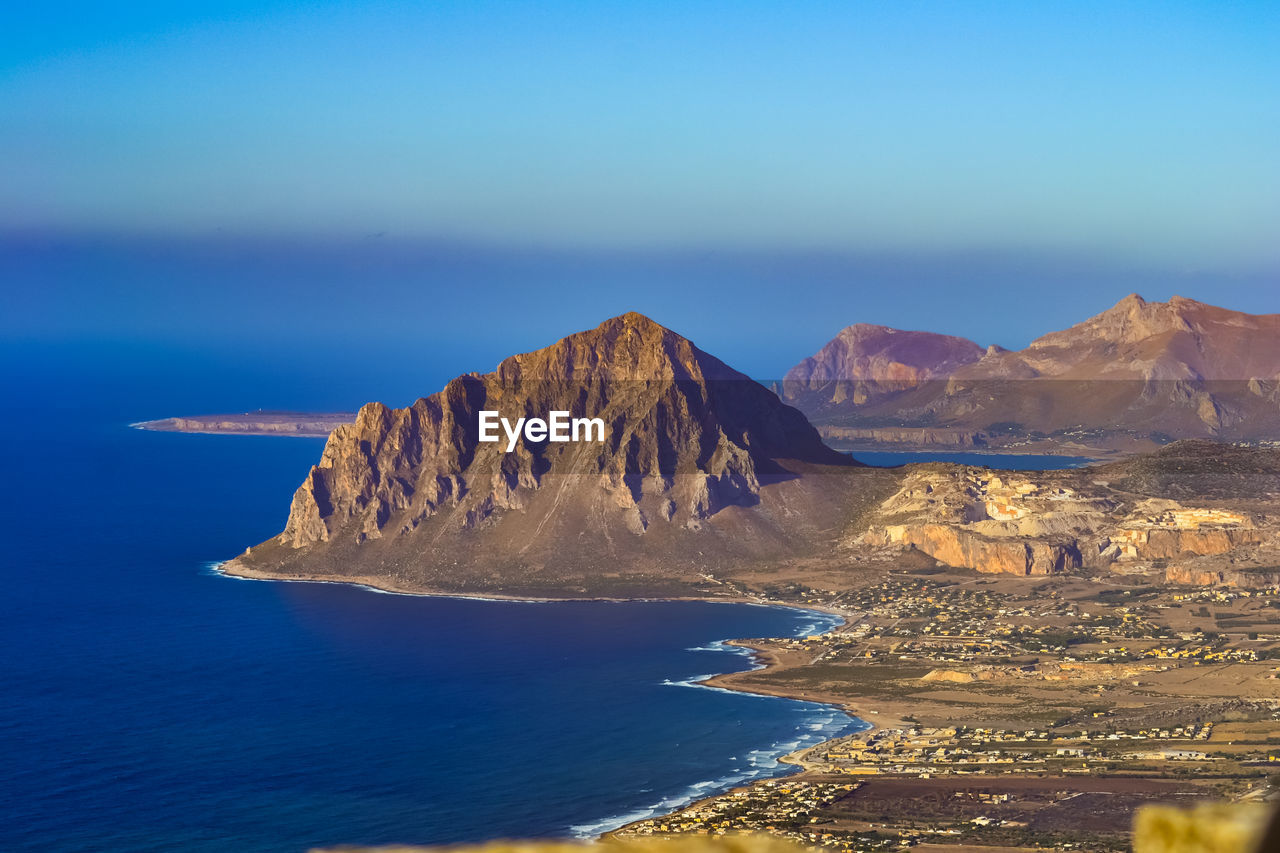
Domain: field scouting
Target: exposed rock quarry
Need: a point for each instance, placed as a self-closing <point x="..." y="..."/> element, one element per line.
<point x="1098" y="519"/>
<point x="963" y="548"/>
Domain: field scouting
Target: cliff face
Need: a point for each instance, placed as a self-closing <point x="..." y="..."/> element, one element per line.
<point x="957" y="546"/>
<point x="1148" y="370"/>
<point x="686" y="439"/>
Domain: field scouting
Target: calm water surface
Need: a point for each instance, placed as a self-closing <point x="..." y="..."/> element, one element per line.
<point x="149" y="704"/>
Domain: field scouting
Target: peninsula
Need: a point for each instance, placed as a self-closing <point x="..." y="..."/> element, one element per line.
<point x="1039" y="652"/>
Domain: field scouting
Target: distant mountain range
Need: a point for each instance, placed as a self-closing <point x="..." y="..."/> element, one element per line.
<point x="1135" y="376"/>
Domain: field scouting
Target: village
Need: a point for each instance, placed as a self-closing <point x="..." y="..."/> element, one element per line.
<point x="1008" y="709"/>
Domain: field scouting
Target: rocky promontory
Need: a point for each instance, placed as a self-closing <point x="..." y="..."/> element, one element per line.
<point x="698" y="465"/>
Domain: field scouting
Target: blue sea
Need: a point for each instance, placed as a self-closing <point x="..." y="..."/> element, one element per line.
<point x="150" y="704"/>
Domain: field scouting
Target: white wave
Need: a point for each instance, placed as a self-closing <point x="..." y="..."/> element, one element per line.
<point x="764" y="763"/>
<point x="720" y="646"/>
<point x="818" y="623"/>
<point x="691" y="681"/>
<point x="214" y="567"/>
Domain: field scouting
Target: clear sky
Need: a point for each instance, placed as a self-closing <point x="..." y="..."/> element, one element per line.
<point x="779" y="170"/>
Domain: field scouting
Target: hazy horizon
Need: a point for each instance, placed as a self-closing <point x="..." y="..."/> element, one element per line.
<point x="352" y="187"/>
<point x="1146" y="131"/>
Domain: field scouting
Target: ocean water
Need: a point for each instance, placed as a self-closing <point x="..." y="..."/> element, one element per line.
<point x="999" y="461"/>
<point x="150" y="704"/>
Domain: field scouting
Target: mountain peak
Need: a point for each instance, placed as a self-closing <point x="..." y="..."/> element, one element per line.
<point x="1130" y="321"/>
<point x="627" y="347"/>
<point x="862" y="330"/>
<point x="683" y="439"/>
<point x="631" y="320"/>
<point x="634" y="318"/>
<point x="877" y="360"/>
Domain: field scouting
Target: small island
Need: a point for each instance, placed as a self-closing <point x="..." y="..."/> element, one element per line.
<point x="315" y="424"/>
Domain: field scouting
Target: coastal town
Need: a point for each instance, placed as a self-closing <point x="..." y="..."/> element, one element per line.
<point x="1011" y="714"/>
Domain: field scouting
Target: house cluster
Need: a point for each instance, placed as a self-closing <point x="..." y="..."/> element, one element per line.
<point x="1223" y="595"/>
<point x="950" y="751"/>
<point x="1206" y="653"/>
<point x="784" y="807"/>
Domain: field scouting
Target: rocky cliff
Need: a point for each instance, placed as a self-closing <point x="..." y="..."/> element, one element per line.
<point x="1140" y="371"/>
<point x="696" y="457"/>
<point x="968" y="549"/>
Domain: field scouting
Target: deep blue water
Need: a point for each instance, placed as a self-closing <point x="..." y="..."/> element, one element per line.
<point x="149" y="704"/>
<point x="1002" y="461"/>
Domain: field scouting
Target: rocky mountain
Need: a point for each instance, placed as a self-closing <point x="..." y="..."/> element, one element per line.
<point x="865" y="362"/>
<point x="1141" y="373"/>
<point x="697" y="463"/>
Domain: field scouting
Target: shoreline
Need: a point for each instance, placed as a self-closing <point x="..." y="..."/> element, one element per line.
<point x="374" y="585"/>
<point x="760" y="658"/>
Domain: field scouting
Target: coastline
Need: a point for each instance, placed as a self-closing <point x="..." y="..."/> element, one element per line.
<point x="378" y="585"/>
<point x="760" y="658"/>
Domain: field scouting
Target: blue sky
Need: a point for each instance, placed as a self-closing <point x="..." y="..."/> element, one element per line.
<point x="991" y="169"/>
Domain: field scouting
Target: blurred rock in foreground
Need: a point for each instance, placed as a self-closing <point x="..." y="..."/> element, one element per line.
<point x="722" y="844"/>
<point x="1211" y="828"/>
